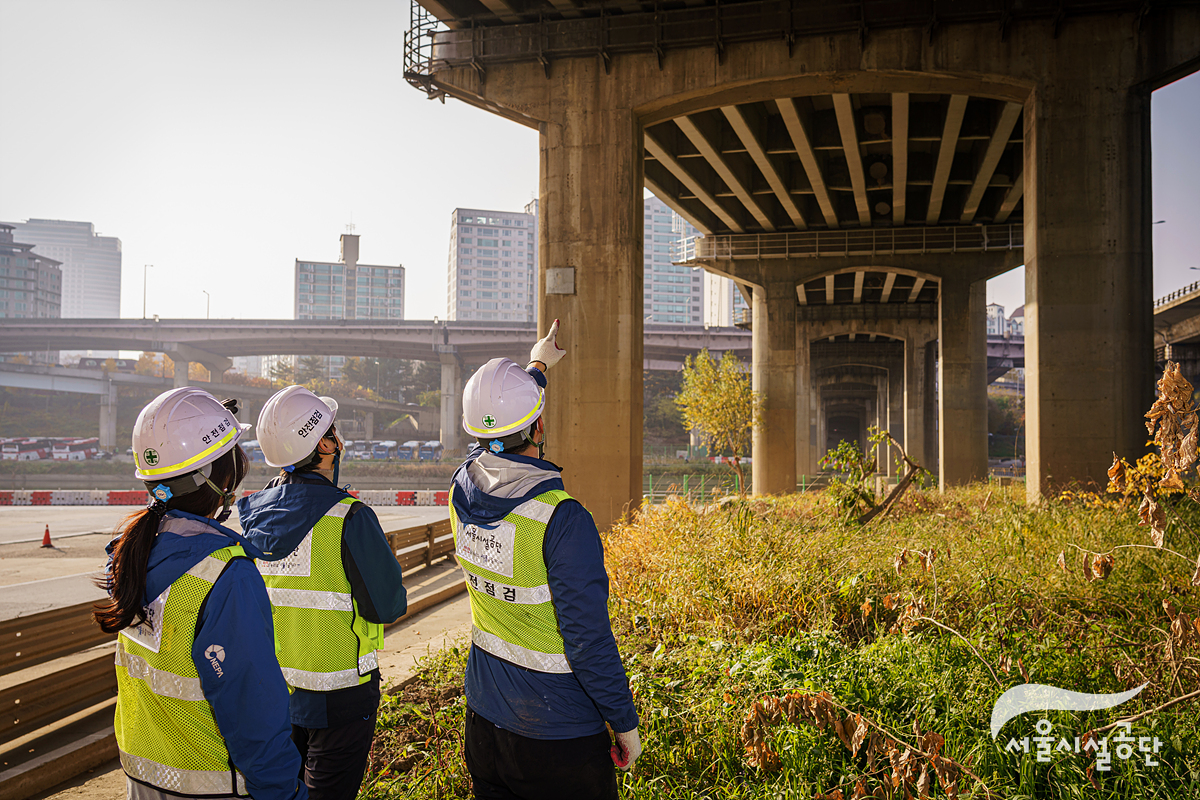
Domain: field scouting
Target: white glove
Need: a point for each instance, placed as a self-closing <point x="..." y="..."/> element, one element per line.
<point x="547" y="350"/>
<point x="627" y="749"/>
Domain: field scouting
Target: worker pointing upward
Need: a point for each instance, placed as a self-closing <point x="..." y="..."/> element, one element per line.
<point x="544" y="674"/>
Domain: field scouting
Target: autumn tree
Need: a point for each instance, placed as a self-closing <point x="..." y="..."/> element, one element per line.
<point x="719" y="405"/>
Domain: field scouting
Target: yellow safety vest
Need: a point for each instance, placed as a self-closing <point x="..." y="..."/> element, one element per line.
<point x="322" y="641"/>
<point x="165" y="729"/>
<point x="511" y="610"/>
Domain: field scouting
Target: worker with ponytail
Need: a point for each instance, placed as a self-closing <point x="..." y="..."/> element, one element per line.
<point x="202" y="706"/>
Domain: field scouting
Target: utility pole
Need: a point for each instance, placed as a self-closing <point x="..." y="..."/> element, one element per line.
<point x="144" y="268"/>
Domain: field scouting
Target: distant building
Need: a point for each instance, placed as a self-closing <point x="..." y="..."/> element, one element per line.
<point x="346" y="289"/>
<point x="999" y="325"/>
<point x="30" y="286"/>
<point x="91" y="265"/>
<point x="724" y="303"/>
<point x="672" y="294"/>
<point x="1016" y="322"/>
<point x="492" y="268"/>
<point x="995" y="319"/>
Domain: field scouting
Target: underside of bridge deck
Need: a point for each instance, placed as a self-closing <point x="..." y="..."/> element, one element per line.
<point x="857" y="170"/>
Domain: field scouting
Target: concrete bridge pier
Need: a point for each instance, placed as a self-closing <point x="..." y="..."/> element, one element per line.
<point x="962" y="381"/>
<point x="1088" y="272"/>
<point x="895" y="416"/>
<point x="369" y="425"/>
<point x="452" y="388"/>
<point x="108" y="417"/>
<point x="591" y="276"/>
<point x="775" y="442"/>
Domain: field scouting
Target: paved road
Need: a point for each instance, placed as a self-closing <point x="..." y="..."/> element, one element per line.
<point x="33" y="578"/>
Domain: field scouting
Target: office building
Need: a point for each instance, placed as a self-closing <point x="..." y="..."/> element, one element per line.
<point x="30" y="286"/>
<point x="492" y="269"/>
<point x="91" y="265"/>
<point x="346" y="289"/>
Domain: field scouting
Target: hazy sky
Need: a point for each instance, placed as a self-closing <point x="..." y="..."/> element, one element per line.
<point x="221" y="140"/>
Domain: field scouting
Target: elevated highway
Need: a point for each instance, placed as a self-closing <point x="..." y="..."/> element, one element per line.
<point x="107" y="384"/>
<point x="214" y="342"/>
<point x="852" y="134"/>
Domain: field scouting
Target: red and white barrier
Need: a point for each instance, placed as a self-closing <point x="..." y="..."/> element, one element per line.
<point x="139" y="497"/>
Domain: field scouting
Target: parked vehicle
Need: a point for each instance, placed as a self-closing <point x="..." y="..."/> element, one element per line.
<point x="26" y="450"/>
<point x="431" y="451"/>
<point x="409" y="451"/>
<point x="358" y="450"/>
<point x="384" y="450"/>
<point x="75" y="449"/>
<point x="253" y="451"/>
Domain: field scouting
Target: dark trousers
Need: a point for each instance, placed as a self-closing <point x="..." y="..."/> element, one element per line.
<point x="505" y="766"/>
<point x="332" y="760"/>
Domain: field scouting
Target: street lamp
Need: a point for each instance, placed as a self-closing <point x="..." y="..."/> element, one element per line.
<point x="207" y="304"/>
<point x="144" y="268"/>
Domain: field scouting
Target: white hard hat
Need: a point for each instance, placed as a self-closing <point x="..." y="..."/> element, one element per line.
<point x="501" y="399"/>
<point x="291" y="424"/>
<point x="181" y="431"/>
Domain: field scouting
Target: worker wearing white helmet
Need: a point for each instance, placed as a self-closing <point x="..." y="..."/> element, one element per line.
<point x="544" y="675"/>
<point x="334" y="583"/>
<point x="202" y="707"/>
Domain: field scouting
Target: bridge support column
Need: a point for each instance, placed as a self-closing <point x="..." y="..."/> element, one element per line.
<point x="808" y="400"/>
<point x="590" y="276"/>
<point x="369" y="426"/>
<point x="774" y="378"/>
<point x="452" y="390"/>
<point x="108" y="417"/>
<point x="916" y="397"/>
<point x="1088" y="276"/>
<point x="895" y="396"/>
<point x="181" y="373"/>
<point x="962" y="381"/>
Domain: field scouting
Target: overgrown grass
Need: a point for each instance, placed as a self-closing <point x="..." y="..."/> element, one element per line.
<point x="716" y="608"/>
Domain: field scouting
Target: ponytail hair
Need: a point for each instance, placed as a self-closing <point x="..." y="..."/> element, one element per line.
<point x="125" y="581"/>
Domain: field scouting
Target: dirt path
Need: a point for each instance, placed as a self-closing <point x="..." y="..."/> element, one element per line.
<point x="427" y="632"/>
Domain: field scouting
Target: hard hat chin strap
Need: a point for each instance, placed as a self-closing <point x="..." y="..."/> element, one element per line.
<point x="227" y="499"/>
<point x="541" y="446"/>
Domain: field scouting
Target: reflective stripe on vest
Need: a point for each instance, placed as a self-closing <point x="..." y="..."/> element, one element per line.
<point x="165" y="730"/>
<point x="181" y="781"/>
<point x="311" y="602"/>
<point x="512" y="613"/>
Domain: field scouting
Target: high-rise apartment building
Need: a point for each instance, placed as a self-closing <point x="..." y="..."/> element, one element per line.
<point x="91" y="265"/>
<point x="673" y="294"/>
<point x="346" y="289"/>
<point x="492" y="270"/>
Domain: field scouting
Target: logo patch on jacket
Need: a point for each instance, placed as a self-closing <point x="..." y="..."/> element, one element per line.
<point x="488" y="546"/>
<point x="215" y="655"/>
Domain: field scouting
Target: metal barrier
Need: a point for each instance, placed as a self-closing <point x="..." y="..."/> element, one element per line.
<point x="873" y="241"/>
<point x="41" y="702"/>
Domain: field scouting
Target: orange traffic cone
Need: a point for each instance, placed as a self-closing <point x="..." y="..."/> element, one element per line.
<point x="46" y="538"/>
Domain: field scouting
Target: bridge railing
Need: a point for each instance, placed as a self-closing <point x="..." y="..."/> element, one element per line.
<point x="1178" y="293"/>
<point x="871" y="241"/>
